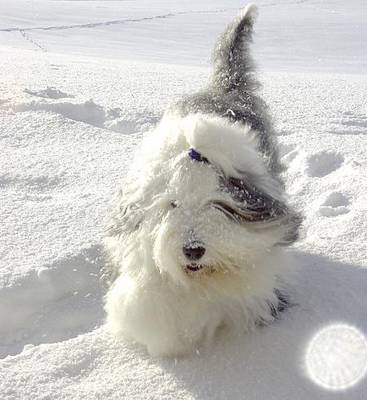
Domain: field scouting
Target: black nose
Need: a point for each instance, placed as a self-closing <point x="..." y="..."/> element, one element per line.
<point x="193" y="252"/>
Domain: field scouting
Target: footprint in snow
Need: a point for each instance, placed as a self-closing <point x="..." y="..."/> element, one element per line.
<point x="350" y="124"/>
<point x="323" y="163"/>
<point x="49" y="93"/>
<point x="31" y="182"/>
<point x="351" y="119"/>
<point x="335" y="204"/>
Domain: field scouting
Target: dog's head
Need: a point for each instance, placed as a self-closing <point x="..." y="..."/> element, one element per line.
<point x="199" y="202"/>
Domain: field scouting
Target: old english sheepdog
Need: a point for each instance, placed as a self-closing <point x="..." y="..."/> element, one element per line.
<point x="195" y="241"/>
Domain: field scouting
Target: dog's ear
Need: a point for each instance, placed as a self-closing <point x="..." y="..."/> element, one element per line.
<point x="126" y="217"/>
<point x="250" y="204"/>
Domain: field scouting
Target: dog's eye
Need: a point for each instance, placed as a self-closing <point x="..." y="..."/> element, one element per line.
<point x="173" y="204"/>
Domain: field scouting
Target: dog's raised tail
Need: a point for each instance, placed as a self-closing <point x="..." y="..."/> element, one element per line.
<point x="233" y="64"/>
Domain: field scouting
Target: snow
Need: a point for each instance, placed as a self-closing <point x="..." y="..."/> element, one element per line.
<point x="74" y="104"/>
<point x="301" y="35"/>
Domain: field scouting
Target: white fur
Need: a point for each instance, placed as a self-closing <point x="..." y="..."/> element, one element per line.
<point x="154" y="300"/>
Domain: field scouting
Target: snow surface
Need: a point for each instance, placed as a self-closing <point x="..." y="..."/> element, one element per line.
<point x="75" y="99"/>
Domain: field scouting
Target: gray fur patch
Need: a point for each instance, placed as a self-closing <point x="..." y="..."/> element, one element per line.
<point x="232" y="90"/>
<point x="252" y="205"/>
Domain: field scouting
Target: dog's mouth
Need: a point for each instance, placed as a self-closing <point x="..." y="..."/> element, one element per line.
<point x="194" y="267"/>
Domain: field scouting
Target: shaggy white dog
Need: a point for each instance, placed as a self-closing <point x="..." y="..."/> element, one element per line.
<point x="195" y="240"/>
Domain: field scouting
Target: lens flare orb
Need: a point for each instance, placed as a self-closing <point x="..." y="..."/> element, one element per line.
<point x="336" y="358"/>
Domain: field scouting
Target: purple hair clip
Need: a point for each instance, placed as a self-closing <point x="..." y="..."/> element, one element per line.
<point x="196" y="156"/>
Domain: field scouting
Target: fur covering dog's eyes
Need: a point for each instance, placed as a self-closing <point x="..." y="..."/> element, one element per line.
<point x="250" y="204"/>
